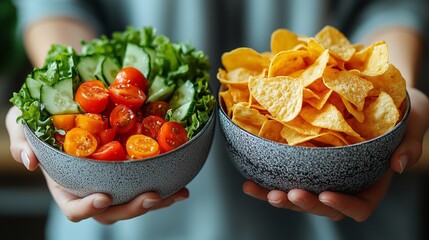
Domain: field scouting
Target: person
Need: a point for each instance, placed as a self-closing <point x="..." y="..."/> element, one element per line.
<point x="217" y="209"/>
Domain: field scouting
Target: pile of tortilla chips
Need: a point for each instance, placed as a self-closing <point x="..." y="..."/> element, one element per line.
<point x="313" y="91"/>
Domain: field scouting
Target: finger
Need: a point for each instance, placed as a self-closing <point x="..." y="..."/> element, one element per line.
<point x="139" y="206"/>
<point x="181" y="195"/>
<point x="310" y="203"/>
<point x="19" y="147"/>
<point x="254" y="190"/>
<point x="359" y="206"/>
<point x="74" y="207"/>
<point x="280" y="199"/>
<point x="409" y="151"/>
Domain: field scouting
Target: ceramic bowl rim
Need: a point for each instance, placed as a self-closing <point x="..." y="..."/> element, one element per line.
<point x="203" y="130"/>
<point x="401" y="122"/>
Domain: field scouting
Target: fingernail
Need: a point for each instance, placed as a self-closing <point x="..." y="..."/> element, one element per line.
<point x="101" y="203"/>
<point x="148" y="203"/>
<point x="178" y="199"/>
<point x="299" y="202"/>
<point x="275" y="203"/>
<point x="326" y="202"/>
<point x="25" y="159"/>
<point x="403" y="161"/>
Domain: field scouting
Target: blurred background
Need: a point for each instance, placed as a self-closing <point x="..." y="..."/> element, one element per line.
<point x="24" y="198"/>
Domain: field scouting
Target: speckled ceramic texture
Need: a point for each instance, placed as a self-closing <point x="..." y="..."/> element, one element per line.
<point x="347" y="169"/>
<point x="123" y="181"/>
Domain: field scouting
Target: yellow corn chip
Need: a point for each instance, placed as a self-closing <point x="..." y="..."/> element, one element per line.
<point x="349" y="86"/>
<point x="245" y="58"/>
<point x="380" y="116"/>
<point x="249" y="119"/>
<point x="282" y="40"/>
<point x="287" y="62"/>
<point x="328" y="117"/>
<point x="338" y="45"/>
<point x="281" y="96"/>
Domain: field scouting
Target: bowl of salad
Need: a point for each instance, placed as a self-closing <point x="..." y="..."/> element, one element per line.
<point x="129" y="114"/>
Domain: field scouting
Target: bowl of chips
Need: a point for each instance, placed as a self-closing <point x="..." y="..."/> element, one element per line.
<point x="315" y="113"/>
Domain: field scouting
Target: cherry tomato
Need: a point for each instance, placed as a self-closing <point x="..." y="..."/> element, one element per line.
<point x="127" y="94"/>
<point x="133" y="76"/>
<point x="171" y="135"/>
<point x="151" y="126"/>
<point x="107" y="135"/>
<point x="112" y="151"/>
<point x="79" y="142"/>
<point x="140" y="146"/>
<point x="137" y="129"/>
<point x="59" y="138"/>
<point x="122" y="118"/>
<point x="92" y="96"/>
<point x="91" y="122"/>
<point x="157" y="108"/>
<point x="64" y="121"/>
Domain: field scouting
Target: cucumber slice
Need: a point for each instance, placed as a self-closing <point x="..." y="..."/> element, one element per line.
<point x="184" y="94"/>
<point x="136" y="57"/>
<point x="56" y="102"/>
<point x="33" y="87"/>
<point x="110" y="69"/>
<point x="152" y="57"/>
<point x="159" y="90"/>
<point x="90" y="68"/>
<point x="183" y="112"/>
<point x="65" y="86"/>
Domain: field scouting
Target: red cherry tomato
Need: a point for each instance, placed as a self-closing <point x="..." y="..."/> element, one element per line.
<point x="59" y="138"/>
<point x="133" y="76"/>
<point x="112" y="151"/>
<point x="171" y="135"/>
<point x="122" y="118"/>
<point x="92" y="96"/>
<point x="157" y="108"/>
<point x="151" y="126"/>
<point x="127" y="94"/>
<point x="107" y="135"/>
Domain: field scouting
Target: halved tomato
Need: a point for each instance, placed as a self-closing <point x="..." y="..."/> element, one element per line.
<point x="122" y="118"/>
<point x="151" y="126"/>
<point x="157" y="108"/>
<point x="64" y="121"/>
<point x="79" y="142"/>
<point x="127" y="94"/>
<point x="92" y="96"/>
<point x="140" y="146"/>
<point x="91" y="122"/>
<point x="133" y="76"/>
<point x="112" y="151"/>
<point x="171" y="135"/>
<point x="107" y="135"/>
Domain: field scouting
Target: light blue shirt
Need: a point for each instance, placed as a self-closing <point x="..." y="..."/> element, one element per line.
<point x="217" y="208"/>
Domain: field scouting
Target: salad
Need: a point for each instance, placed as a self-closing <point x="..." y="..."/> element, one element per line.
<point x="131" y="96"/>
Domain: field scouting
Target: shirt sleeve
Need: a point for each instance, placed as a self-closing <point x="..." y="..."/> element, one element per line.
<point x="30" y="11"/>
<point x="383" y="14"/>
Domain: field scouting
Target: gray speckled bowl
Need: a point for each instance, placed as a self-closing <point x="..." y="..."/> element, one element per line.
<point x="347" y="169"/>
<point x="123" y="181"/>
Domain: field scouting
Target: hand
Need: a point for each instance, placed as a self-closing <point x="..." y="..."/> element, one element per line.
<point x="96" y="205"/>
<point x="19" y="147"/>
<point x="360" y="206"/>
<point x="330" y="204"/>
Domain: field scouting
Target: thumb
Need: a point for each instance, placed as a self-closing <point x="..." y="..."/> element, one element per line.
<point x="409" y="151"/>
